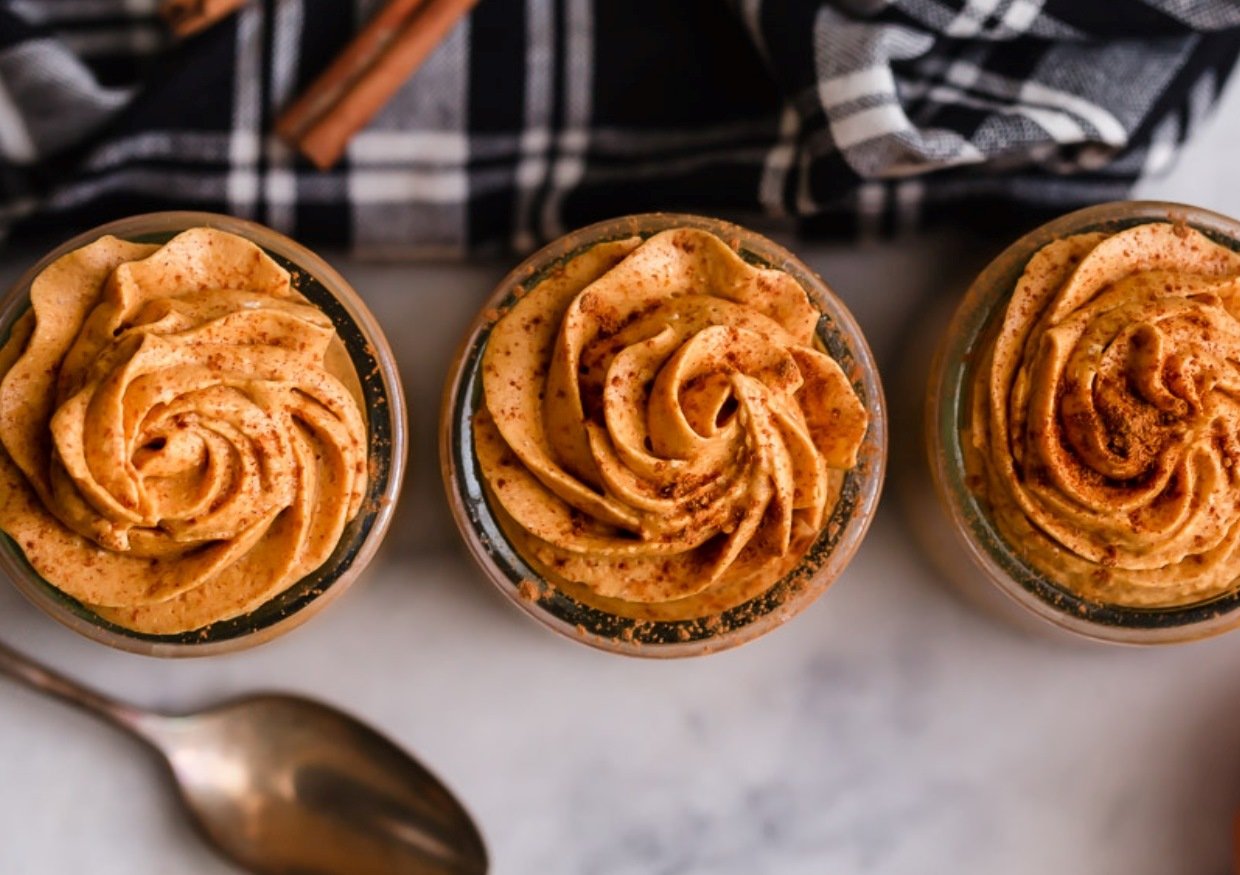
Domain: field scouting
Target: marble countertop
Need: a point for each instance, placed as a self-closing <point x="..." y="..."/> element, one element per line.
<point x="890" y="728"/>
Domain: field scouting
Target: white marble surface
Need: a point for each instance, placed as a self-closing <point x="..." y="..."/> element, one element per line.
<point x="888" y="729"/>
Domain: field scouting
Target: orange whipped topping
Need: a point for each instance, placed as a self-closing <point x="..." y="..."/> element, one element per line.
<point x="1105" y="433"/>
<point x="662" y="435"/>
<point x="182" y="434"/>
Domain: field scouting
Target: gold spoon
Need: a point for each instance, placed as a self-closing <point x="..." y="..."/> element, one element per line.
<point x="284" y="785"/>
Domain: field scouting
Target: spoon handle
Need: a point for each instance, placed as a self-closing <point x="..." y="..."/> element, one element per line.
<point x="42" y="679"/>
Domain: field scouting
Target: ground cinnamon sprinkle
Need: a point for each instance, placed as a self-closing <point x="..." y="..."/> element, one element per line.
<point x="244" y="396"/>
<point x="569" y="365"/>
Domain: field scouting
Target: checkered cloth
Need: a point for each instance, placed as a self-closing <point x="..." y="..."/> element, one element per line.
<point x="535" y="117"/>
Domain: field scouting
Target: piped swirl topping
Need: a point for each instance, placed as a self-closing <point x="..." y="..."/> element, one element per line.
<point x="1107" y="418"/>
<point x="182" y="436"/>
<point x="659" y="423"/>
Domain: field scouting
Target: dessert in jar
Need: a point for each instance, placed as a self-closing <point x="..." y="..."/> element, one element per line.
<point x="660" y="433"/>
<point x="1091" y="385"/>
<point x="184" y="435"/>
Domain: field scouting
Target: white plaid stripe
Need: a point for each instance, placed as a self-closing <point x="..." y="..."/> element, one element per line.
<point x="1020" y="16"/>
<point x="190" y="185"/>
<point x="532" y="166"/>
<point x="52" y="11"/>
<point x="386" y="147"/>
<point x="243" y="189"/>
<point x="670" y="168"/>
<point x="971" y="18"/>
<point x="575" y="138"/>
<point x="1108" y="126"/>
<point x="751" y="13"/>
<point x="372" y="186"/>
<point x="1017" y="18"/>
<point x="279" y="181"/>
<point x="778" y="162"/>
<point x="204" y="147"/>
<point x="1059" y="127"/>
<point x="15" y="143"/>
<point x="869" y="124"/>
<point x="369" y="186"/>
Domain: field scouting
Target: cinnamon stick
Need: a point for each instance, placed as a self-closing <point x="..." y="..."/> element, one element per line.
<point x="187" y="17"/>
<point x="364" y="77"/>
<point x="344" y="72"/>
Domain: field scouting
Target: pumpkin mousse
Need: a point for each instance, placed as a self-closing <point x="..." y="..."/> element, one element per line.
<point x="182" y="433"/>
<point x="1105" y="428"/>
<point x="661" y="435"/>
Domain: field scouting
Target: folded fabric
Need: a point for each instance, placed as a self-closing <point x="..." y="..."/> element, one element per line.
<point x="536" y="117"/>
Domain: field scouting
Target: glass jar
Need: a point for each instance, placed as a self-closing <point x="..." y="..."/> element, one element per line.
<point x="385" y="410"/>
<point x="966" y="542"/>
<point x="568" y="608"/>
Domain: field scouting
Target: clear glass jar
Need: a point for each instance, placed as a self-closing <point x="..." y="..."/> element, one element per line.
<point x="538" y="591"/>
<point x="376" y="369"/>
<point x="966" y="542"/>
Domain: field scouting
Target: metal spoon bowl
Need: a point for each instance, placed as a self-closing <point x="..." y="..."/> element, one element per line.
<point x="284" y="785"/>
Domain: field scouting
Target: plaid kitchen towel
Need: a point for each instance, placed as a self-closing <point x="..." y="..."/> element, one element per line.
<point x="536" y="116"/>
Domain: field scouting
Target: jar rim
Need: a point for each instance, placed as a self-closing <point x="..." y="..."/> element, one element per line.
<point x="947" y="404"/>
<point x="502" y="562"/>
<point x="387" y="438"/>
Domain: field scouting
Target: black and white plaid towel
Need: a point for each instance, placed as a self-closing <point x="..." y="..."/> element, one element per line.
<point x="536" y="116"/>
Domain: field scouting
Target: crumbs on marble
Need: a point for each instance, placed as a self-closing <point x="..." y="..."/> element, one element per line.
<point x="530" y="590"/>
